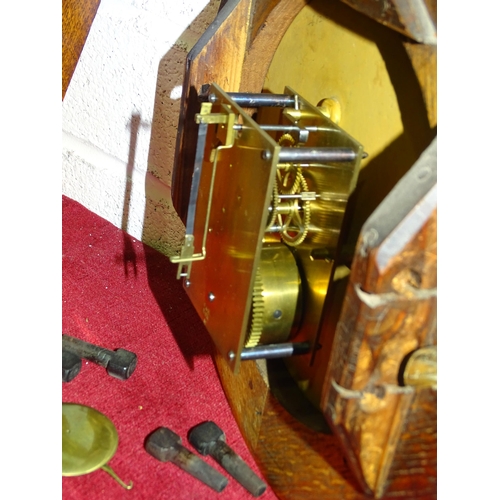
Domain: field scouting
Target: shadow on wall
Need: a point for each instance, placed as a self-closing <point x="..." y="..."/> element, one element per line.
<point x="129" y="256"/>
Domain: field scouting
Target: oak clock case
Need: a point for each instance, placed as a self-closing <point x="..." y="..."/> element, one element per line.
<point x="289" y="201"/>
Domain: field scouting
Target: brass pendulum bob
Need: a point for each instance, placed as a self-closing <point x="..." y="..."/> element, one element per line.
<point x="89" y="441"/>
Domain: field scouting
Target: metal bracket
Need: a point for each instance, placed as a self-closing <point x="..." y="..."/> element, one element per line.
<point x="204" y="118"/>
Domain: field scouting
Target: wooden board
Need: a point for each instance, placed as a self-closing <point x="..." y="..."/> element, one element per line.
<point x="389" y="312"/>
<point x="218" y="58"/>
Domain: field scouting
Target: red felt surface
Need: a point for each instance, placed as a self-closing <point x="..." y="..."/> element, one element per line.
<point x="118" y="292"/>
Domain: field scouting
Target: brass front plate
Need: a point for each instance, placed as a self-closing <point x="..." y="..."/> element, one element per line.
<point x="89" y="439"/>
<point x="220" y="286"/>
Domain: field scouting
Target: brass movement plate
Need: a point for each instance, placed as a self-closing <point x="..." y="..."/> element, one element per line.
<point x="220" y="285"/>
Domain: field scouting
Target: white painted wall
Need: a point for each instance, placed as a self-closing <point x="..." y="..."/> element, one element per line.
<point x="129" y="77"/>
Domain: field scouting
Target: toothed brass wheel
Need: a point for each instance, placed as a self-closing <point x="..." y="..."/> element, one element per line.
<point x="290" y="217"/>
<point x="286" y="140"/>
<point x="273" y="208"/>
<point x="294" y="216"/>
<point x="288" y="179"/>
<point x="276" y="297"/>
<point x="257" y="315"/>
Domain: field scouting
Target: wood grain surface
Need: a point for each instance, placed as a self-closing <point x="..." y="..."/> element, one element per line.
<point x="368" y="405"/>
<point x="265" y="41"/>
<point x="391" y="14"/>
<point x="77" y="18"/>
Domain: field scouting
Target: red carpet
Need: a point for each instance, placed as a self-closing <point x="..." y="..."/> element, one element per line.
<point x="118" y="292"/>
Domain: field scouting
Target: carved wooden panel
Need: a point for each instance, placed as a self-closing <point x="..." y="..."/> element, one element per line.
<point x="388" y="313"/>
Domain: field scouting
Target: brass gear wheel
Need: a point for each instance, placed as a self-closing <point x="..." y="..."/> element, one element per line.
<point x="296" y="221"/>
<point x="257" y="314"/>
<point x="273" y="208"/>
<point x="286" y="140"/>
<point x="286" y="177"/>
<point x="275" y="296"/>
<point x="294" y="217"/>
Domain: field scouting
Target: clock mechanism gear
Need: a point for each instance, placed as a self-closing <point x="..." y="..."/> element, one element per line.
<point x="291" y="217"/>
<point x="276" y="296"/>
